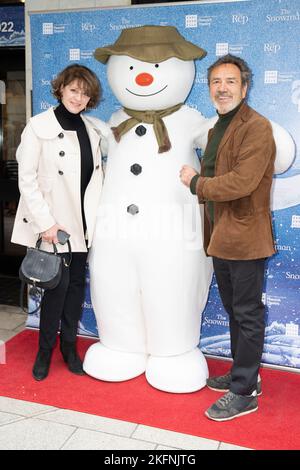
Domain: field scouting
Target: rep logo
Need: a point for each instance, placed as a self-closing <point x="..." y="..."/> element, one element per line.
<point x="240" y="19"/>
<point x="272" y="47"/>
<point x="296" y="93"/>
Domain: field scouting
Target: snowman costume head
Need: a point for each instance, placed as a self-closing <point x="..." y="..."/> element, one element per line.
<point x="157" y="68"/>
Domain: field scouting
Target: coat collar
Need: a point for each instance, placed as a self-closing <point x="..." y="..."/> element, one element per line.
<point x="46" y="126"/>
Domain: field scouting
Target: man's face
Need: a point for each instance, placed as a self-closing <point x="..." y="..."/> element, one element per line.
<point x="226" y="88"/>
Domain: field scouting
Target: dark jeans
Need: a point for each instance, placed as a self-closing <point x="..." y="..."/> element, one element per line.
<point x="240" y="285"/>
<point x="64" y="303"/>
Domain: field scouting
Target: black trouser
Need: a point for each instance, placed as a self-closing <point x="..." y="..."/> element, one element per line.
<point x="64" y="303"/>
<point x="240" y="286"/>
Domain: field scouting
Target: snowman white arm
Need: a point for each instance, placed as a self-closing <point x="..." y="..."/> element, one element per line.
<point x="285" y="146"/>
<point x="202" y="131"/>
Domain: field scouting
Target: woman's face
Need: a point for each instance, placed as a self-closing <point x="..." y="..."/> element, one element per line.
<point x="74" y="97"/>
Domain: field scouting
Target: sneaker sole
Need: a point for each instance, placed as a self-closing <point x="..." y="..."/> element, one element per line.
<point x="231" y="417"/>
<point x="224" y="390"/>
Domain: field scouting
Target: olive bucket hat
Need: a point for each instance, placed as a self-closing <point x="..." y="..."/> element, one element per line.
<point x="151" y="44"/>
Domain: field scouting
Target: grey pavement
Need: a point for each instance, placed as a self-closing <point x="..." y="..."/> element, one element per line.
<point x="29" y="426"/>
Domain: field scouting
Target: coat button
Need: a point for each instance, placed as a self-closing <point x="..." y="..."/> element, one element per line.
<point x="62" y="153"/>
<point x="61" y="135"/>
<point x="97" y="167"/>
<point x="60" y="172"/>
<point x="136" y="169"/>
<point x="25" y="220"/>
<point x="132" y="209"/>
<point x="140" y="131"/>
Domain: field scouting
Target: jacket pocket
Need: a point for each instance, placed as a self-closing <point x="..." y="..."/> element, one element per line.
<point x="242" y="207"/>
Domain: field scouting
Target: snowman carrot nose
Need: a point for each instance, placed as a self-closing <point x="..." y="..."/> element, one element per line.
<point x="144" y="79"/>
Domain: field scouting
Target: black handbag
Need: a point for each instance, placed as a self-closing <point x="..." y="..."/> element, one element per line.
<point x="41" y="269"/>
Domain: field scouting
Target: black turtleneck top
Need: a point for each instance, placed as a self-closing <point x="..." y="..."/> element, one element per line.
<point x="73" y="122"/>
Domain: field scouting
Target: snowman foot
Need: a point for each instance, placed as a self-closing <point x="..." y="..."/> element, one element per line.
<point x="113" y="366"/>
<point x="184" y="373"/>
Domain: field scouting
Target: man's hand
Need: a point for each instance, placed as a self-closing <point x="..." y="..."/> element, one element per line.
<point x="186" y="174"/>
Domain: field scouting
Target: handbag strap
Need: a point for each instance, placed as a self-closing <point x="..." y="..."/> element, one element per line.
<point x="22" y="291"/>
<point x="39" y="242"/>
<point x="70" y="255"/>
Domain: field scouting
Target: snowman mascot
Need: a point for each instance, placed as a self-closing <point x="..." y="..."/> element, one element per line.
<point x="150" y="276"/>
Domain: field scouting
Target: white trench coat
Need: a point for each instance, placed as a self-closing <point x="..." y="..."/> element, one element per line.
<point x="49" y="181"/>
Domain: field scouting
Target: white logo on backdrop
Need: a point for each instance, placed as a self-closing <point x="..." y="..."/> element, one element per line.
<point x="88" y="27"/>
<point x="222" y="48"/>
<point x="291" y="329"/>
<point x="240" y="18"/>
<point x="284" y="16"/>
<point x="271" y="76"/>
<point x="44" y="105"/>
<point x="296" y="94"/>
<point x="74" y="54"/>
<point x="295" y="221"/>
<point x="191" y="21"/>
<point x="272" y="47"/>
<point x="48" y="28"/>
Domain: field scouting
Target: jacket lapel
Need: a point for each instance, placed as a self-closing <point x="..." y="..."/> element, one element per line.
<point x="236" y="122"/>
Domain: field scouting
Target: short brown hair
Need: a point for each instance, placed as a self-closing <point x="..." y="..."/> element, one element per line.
<point x="85" y="76"/>
<point x="246" y="73"/>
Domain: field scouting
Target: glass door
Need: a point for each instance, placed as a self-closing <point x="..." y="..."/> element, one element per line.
<point x="12" y="123"/>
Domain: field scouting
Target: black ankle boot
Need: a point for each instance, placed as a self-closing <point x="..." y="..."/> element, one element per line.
<point x="42" y="363"/>
<point x="71" y="357"/>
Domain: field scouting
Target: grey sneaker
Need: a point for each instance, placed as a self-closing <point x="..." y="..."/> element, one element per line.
<point x="222" y="383"/>
<point x="231" y="406"/>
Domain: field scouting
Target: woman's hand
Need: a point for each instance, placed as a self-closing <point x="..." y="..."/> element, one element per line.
<point x="50" y="235"/>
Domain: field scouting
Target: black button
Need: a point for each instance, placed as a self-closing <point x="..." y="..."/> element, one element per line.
<point x="132" y="209"/>
<point x="61" y="135"/>
<point x="136" y="169"/>
<point x="60" y="172"/>
<point x="97" y="167"/>
<point x="25" y="220"/>
<point x="62" y="153"/>
<point x="140" y="131"/>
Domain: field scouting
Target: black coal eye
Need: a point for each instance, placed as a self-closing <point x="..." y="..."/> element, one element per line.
<point x="157" y="65"/>
<point x="131" y="67"/>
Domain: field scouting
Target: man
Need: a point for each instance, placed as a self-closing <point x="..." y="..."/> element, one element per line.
<point x="235" y="184"/>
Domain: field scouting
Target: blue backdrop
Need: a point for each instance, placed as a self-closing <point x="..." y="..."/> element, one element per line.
<point x="267" y="36"/>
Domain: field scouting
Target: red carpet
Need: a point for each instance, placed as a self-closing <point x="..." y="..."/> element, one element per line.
<point x="276" y="425"/>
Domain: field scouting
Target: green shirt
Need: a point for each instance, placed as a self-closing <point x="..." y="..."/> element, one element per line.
<point x="210" y="154"/>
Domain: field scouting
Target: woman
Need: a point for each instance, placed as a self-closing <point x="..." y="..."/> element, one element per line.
<point x="60" y="178"/>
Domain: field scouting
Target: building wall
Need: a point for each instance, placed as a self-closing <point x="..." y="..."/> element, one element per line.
<point x="50" y="5"/>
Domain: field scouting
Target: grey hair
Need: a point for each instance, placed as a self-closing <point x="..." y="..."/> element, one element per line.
<point x="246" y="72"/>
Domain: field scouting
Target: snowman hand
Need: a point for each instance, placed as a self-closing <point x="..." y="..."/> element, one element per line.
<point x="186" y="174"/>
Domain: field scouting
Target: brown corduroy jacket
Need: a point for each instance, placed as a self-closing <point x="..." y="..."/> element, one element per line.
<point x="240" y="190"/>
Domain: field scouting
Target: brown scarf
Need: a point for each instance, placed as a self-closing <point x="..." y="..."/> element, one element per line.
<point x="149" y="117"/>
